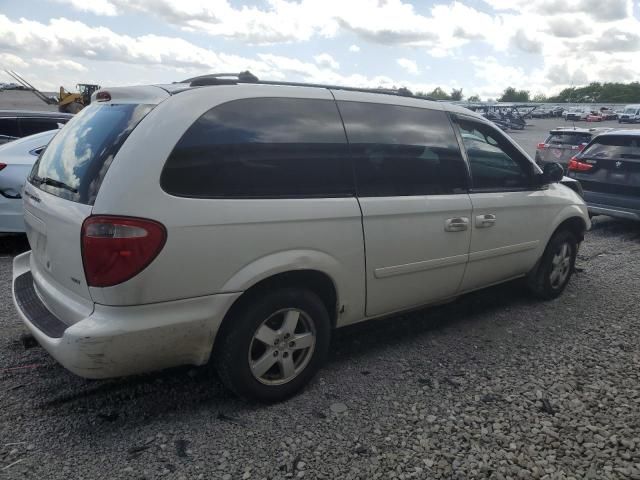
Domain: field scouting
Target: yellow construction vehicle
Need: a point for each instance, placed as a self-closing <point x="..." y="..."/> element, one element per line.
<point x="71" y="102"/>
<point x="68" y="102"/>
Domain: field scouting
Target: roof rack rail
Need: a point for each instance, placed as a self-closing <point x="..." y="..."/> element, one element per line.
<point x="248" y="77"/>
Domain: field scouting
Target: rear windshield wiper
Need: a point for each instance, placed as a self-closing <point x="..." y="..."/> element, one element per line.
<point x="55" y="183"/>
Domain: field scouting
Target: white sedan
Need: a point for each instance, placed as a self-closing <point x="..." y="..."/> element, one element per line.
<point x="16" y="160"/>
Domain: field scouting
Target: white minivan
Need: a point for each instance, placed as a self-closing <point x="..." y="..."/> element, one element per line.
<point x="241" y="221"/>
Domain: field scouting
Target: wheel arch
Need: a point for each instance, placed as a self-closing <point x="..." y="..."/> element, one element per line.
<point x="315" y="280"/>
<point x="572" y="218"/>
<point x="576" y="224"/>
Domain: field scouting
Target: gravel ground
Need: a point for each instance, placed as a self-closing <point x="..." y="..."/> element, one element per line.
<point x="495" y="385"/>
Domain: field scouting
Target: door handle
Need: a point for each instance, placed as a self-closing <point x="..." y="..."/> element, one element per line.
<point x="456" y="224"/>
<point x="485" y="221"/>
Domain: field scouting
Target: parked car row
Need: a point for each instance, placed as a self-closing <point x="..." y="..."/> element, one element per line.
<point x="227" y="222"/>
<point x="546" y="112"/>
<point x="630" y="114"/>
<point x="11" y="86"/>
<point x="605" y="161"/>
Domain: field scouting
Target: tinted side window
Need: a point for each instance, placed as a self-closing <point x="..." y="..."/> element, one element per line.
<point x="30" y="126"/>
<point x="495" y="163"/>
<point x="262" y="147"/>
<point x="9" y="127"/>
<point x="403" y="150"/>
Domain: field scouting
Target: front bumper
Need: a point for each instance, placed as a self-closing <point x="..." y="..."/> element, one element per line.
<point x="119" y="341"/>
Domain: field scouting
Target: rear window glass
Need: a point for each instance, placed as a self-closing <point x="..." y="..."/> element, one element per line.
<point x="77" y="159"/>
<point x="568" y="138"/>
<point x="614" y="146"/>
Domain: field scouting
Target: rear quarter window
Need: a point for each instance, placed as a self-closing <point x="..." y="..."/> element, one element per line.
<point x="262" y="147"/>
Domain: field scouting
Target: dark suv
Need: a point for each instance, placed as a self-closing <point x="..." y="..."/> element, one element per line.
<point x="564" y="143"/>
<point x="609" y="171"/>
<point x="19" y="123"/>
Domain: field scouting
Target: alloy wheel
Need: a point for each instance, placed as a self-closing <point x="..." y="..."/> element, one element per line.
<point x="282" y="346"/>
<point x="560" y="266"/>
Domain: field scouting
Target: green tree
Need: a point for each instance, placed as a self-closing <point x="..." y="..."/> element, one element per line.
<point x="510" y="94"/>
<point x="456" y="94"/>
<point x="612" y="92"/>
<point x="540" y="97"/>
<point x="439" y="94"/>
<point x="474" y="98"/>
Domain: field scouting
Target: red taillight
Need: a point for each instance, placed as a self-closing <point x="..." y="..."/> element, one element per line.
<point x="576" y="165"/>
<point x="2" y="165"/>
<point x="115" y="249"/>
<point x="542" y="146"/>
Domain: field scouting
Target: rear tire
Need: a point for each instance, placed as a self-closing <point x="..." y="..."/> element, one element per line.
<point x="274" y="345"/>
<point x="555" y="268"/>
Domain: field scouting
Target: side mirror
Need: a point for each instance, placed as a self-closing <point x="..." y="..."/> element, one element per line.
<point x="552" y="173"/>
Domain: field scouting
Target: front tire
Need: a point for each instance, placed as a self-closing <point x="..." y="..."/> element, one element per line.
<point x="556" y="266"/>
<point x="274" y="345"/>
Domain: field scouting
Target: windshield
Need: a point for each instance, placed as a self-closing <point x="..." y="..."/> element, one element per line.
<point x="77" y="159"/>
<point x="630" y="110"/>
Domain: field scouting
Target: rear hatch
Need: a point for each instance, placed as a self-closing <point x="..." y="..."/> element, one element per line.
<point x="561" y="145"/>
<point x="611" y="166"/>
<point x="59" y="195"/>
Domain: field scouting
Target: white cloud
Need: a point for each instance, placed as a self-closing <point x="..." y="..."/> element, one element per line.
<point x="97" y="7"/>
<point x="566" y="41"/>
<point x="326" y="60"/>
<point x="60" y="64"/>
<point x="409" y="65"/>
<point x="599" y="10"/>
<point x="62" y="39"/>
<point x="11" y="61"/>
<point x="391" y="22"/>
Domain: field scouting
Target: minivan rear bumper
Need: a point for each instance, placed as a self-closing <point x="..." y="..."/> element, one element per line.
<point x="119" y="341"/>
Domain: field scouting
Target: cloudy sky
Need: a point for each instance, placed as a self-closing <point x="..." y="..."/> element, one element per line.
<point x="481" y="46"/>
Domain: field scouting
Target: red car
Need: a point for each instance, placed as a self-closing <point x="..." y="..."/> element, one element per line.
<point x="594" y="117"/>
